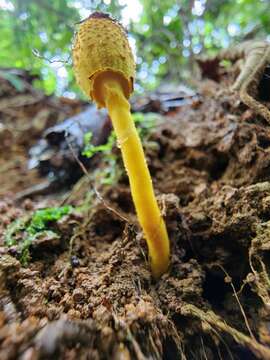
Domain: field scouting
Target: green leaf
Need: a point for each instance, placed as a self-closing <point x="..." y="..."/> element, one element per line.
<point x="13" y="79"/>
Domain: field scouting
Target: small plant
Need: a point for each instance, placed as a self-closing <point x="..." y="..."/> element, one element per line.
<point x="24" y="231"/>
<point x="145" y="123"/>
<point x="111" y="171"/>
<point x="90" y="149"/>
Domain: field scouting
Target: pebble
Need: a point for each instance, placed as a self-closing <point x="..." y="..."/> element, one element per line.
<point x="78" y="295"/>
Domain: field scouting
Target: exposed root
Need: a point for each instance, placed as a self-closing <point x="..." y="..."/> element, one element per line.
<point x="211" y="320"/>
<point x="260" y="281"/>
<point x="255" y="56"/>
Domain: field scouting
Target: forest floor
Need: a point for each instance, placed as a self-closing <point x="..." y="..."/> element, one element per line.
<point x="83" y="289"/>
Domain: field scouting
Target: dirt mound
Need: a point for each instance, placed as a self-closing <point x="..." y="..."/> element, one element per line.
<point x="88" y="294"/>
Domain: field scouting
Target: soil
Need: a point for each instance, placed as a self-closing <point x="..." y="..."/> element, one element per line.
<point x="89" y="294"/>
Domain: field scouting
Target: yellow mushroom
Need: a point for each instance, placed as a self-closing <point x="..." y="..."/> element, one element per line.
<point x="105" y="69"/>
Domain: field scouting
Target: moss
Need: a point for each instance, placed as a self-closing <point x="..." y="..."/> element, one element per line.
<point x="24" y="231"/>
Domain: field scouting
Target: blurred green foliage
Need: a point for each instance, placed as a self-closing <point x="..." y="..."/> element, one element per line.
<point x="169" y="34"/>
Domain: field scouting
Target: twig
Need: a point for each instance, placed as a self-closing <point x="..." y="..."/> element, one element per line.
<point x="229" y="280"/>
<point x="37" y="54"/>
<point x="100" y="198"/>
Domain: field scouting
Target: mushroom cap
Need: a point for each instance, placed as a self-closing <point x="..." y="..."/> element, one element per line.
<point x="101" y="50"/>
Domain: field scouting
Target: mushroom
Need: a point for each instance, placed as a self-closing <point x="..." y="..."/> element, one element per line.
<point x="104" y="68"/>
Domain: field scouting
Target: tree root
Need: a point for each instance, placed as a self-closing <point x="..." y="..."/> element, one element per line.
<point x="255" y="56"/>
<point x="212" y="322"/>
<point x="259" y="279"/>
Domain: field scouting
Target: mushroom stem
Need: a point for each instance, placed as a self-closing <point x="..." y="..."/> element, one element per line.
<point x="140" y="181"/>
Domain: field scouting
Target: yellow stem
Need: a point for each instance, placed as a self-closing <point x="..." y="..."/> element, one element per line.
<point x="139" y="178"/>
